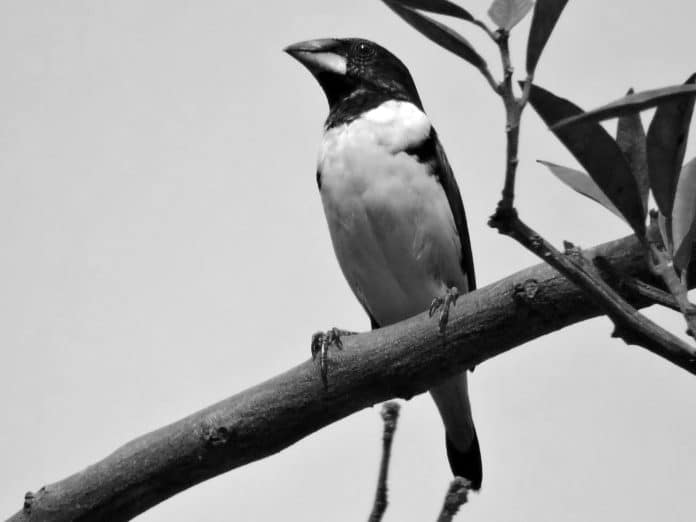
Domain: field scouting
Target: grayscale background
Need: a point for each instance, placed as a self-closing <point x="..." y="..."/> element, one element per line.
<point x="163" y="246"/>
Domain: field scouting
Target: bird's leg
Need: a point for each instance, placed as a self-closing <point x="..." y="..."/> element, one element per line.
<point x="321" y="341"/>
<point x="443" y="304"/>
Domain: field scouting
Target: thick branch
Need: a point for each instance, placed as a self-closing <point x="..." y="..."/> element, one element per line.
<point x="398" y="361"/>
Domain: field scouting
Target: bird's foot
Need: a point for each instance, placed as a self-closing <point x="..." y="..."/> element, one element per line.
<point x="443" y="304"/>
<point x="321" y="341"/>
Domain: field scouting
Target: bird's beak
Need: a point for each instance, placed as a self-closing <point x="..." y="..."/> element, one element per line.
<point x="321" y="55"/>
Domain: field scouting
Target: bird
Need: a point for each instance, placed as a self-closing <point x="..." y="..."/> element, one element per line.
<point x="393" y="208"/>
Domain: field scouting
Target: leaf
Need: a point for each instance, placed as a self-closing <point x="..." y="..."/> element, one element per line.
<point x="682" y="256"/>
<point x="597" y="152"/>
<point x="666" y="141"/>
<point x="506" y="14"/>
<point x="443" y="7"/>
<point x="582" y="183"/>
<point x="630" y="136"/>
<point x="662" y="225"/>
<point x="546" y="15"/>
<point x="439" y="33"/>
<point x="633" y="103"/>
<point x="684" y="215"/>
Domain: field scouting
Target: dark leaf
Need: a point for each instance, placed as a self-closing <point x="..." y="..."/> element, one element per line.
<point x="437" y="6"/>
<point x="582" y="183"/>
<point x="666" y="140"/>
<point x="597" y="152"/>
<point x="633" y="103"/>
<point x="508" y="13"/>
<point x="439" y="33"/>
<point x="684" y="215"/>
<point x="630" y="136"/>
<point x="546" y="14"/>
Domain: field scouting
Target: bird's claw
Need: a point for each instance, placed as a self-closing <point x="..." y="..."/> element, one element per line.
<point x="321" y="341"/>
<point x="443" y="304"/>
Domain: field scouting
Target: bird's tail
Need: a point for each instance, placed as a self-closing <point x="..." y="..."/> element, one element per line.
<point x="463" y="452"/>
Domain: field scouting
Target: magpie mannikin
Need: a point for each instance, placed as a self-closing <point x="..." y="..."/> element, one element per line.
<point x="393" y="207"/>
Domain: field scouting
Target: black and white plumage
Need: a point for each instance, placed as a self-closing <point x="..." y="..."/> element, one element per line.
<point x="392" y="204"/>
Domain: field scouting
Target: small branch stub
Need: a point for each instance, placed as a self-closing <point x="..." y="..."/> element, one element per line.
<point x="28" y="499"/>
<point x="390" y="416"/>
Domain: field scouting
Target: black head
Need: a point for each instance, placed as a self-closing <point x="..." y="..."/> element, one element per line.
<point x="347" y="68"/>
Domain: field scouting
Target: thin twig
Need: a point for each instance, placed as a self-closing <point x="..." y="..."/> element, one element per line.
<point x="631" y="326"/>
<point x="657" y="296"/>
<point x="513" y="111"/>
<point x="636" y="287"/>
<point x="457" y="496"/>
<point x="395" y="361"/>
<point x="504" y="47"/>
<point x="390" y="416"/>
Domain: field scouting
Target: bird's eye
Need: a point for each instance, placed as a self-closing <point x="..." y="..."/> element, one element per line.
<point x="363" y="51"/>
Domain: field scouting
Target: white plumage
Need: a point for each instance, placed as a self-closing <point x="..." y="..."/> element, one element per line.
<point x="390" y="222"/>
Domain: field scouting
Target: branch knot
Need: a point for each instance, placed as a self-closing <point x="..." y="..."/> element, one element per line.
<point x="527" y="291"/>
<point x="28" y="501"/>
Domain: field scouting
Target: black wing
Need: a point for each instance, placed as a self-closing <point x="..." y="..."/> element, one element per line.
<point x="430" y="151"/>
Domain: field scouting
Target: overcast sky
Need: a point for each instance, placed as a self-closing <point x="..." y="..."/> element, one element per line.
<point x="164" y="246"/>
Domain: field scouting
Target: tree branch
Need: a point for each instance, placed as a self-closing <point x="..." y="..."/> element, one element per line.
<point x="397" y="361"/>
<point x="636" y="286"/>
<point x="630" y="325"/>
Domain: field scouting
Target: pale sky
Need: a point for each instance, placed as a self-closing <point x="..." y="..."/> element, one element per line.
<point x="164" y="247"/>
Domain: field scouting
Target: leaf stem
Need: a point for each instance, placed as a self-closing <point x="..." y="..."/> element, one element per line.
<point x="526" y="90"/>
<point x="663" y="266"/>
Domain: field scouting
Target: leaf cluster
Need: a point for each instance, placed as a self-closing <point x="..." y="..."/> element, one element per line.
<point x="621" y="171"/>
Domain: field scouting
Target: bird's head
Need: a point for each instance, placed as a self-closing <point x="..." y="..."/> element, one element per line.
<point x="345" y="66"/>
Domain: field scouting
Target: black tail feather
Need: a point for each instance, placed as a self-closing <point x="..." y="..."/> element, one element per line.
<point x="466" y="464"/>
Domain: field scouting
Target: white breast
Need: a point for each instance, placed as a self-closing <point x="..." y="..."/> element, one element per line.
<point x="389" y="218"/>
